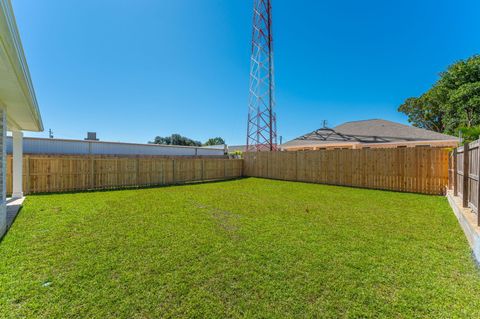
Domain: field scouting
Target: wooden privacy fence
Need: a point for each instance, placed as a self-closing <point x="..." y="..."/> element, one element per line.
<point x="464" y="175"/>
<point x="420" y="170"/>
<point x="43" y="174"/>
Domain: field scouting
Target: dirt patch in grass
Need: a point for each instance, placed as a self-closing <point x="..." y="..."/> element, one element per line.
<point x="227" y="221"/>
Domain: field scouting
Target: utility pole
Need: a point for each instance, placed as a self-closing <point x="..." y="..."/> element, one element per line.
<point x="262" y="121"/>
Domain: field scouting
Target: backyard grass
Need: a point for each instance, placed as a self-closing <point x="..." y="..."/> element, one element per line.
<point x="243" y="248"/>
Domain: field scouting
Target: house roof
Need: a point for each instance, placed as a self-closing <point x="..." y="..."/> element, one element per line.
<point x="16" y="89"/>
<point x="368" y="131"/>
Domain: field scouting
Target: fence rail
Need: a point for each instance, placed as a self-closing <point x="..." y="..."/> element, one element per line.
<point x="44" y="174"/>
<point x="420" y="170"/>
<point x="465" y="172"/>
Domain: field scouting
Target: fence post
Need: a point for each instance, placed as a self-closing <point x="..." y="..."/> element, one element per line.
<point x="455" y="172"/>
<point x="465" y="175"/>
<point x="92" y="172"/>
<point x="117" y="169"/>
<point x="267" y="154"/>
<point x="296" y="166"/>
<point x="27" y="174"/>
<point x="138" y="171"/>
<point x="224" y="168"/>
<point x="173" y="171"/>
<point x="477" y="204"/>
<point x="163" y="172"/>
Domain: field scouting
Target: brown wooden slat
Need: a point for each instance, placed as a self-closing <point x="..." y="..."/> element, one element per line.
<point x="45" y="174"/>
<point x="419" y="170"/>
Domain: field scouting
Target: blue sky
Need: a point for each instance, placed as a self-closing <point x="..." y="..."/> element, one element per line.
<point x="131" y="70"/>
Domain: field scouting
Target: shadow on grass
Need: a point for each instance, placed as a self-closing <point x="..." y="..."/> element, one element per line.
<point x="123" y="188"/>
<point x="10" y="222"/>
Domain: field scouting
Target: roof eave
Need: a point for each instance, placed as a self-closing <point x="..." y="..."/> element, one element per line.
<point x="15" y="59"/>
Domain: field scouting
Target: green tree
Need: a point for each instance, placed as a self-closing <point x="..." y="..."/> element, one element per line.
<point x="470" y="134"/>
<point x="452" y="103"/>
<point x="175" y="139"/>
<point x="215" y="141"/>
<point x="426" y="111"/>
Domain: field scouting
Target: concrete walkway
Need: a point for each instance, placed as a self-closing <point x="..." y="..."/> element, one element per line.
<point x="13" y="207"/>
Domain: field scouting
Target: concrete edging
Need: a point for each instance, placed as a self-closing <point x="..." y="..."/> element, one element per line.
<point x="466" y="219"/>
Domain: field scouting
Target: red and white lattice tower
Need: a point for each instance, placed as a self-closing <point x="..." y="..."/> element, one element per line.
<point x="262" y="127"/>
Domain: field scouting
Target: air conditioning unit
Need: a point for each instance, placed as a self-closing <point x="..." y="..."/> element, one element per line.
<point x="91" y="136"/>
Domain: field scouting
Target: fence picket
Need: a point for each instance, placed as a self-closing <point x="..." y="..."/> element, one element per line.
<point x="47" y="173"/>
<point x="420" y="170"/>
<point x="465" y="176"/>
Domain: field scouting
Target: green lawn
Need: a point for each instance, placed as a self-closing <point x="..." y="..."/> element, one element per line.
<point x="243" y="248"/>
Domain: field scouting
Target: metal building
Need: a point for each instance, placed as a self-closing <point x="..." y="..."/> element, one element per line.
<point x="32" y="145"/>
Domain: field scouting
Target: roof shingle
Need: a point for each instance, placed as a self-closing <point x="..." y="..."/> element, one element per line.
<point x="369" y="131"/>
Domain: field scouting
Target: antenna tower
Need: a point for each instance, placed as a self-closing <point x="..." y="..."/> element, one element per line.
<point x="262" y="122"/>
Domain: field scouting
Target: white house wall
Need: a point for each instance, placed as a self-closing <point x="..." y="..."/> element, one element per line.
<point x="77" y="147"/>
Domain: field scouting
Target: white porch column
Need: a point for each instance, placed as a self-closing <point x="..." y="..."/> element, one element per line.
<point x="3" y="171"/>
<point x="17" y="178"/>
